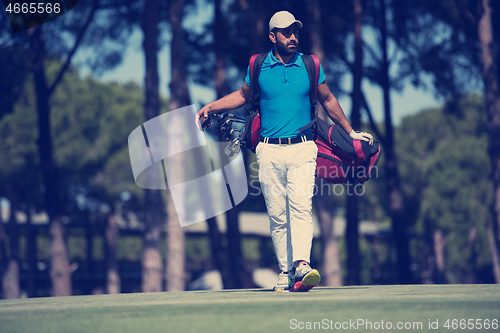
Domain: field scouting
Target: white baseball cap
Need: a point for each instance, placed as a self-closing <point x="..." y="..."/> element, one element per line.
<point x="283" y="19"/>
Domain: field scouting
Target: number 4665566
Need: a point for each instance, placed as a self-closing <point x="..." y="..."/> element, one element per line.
<point x="471" y="324"/>
<point x="33" y="8"/>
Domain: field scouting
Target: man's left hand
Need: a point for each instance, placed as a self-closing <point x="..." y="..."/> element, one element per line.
<point x="362" y="136"/>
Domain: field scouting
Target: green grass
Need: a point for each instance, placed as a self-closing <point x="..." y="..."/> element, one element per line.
<point x="256" y="310"/>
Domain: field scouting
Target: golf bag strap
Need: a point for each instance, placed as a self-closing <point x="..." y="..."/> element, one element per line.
<point x="316" y="77"/>
<point x="312" y="65"/>
<point x="255" y="64"/>
<point x="252" y="62"/>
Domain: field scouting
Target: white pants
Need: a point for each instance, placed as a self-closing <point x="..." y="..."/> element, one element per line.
<point x="286" y="175"/>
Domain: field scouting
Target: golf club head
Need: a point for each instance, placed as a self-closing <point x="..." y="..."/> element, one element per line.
<point x="222" y="117"/>
<point x="236" y="146"/>
<point x="226" y="126"/>
<point x="228" y="150"/>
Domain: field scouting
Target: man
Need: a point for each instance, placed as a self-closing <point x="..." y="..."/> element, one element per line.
<point x="287" y="162"/>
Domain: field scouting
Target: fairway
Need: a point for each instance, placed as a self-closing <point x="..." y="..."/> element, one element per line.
<point x="260" y="310"/>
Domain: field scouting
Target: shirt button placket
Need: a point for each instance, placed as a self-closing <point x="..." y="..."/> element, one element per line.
<point x="285" y="76"/>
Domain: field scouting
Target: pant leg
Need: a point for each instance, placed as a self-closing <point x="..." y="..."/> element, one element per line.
<point x="272" y="178"/>
<point x="300" y="188"/>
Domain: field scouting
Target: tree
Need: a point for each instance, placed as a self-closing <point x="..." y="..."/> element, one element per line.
<point x="352" y="228"/>
<point x="179" y="97"/>
<point x="10" y="279"/>
<point x="152" y="267"/>
<point x="445" y="171"/>
<point x="230" y="258"/>
<point x="218" y="46"/>
<point x="90" y="124"/>
<point x="492" y="96"/>
<point x="458" y="61"/>
<point x="16" y="176"/>
<point x="379" y="73"/>
<point x="78" y="23"/>
<point x="3" y="253"/>
<point x="60" y="274"/>
<point x="331" y="270"/>
<point x="12" y="86"/>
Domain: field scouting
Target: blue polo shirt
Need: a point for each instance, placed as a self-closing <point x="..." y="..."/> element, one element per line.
<point x="284" y="96"/>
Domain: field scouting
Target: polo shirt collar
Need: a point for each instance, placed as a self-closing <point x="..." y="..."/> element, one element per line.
<point x="296" y="60"/>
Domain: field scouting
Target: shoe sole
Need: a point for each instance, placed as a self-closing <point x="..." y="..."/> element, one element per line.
<point x="309" y="281"/>
<point x="281" y="291"/>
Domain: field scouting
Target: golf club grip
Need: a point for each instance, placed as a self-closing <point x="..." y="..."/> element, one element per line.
<point x="205" y="122"/>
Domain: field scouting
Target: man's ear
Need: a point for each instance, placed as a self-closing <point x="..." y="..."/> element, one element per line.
<point x="272" y="37"/>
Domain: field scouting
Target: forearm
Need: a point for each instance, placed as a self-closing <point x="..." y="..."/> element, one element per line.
<point x="228" y="102"/>
<point x="335" y="112"/>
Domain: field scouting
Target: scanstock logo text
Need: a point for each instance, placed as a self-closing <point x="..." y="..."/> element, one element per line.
<point x="169" y="151"/>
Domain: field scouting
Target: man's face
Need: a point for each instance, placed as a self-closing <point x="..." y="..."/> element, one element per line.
<point x="287" y="39"/>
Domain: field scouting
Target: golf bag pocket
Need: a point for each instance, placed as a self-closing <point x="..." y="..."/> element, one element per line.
<point x="329" y="166"/>
<point x="251" y="133"/>
<point x="341" y="158"/>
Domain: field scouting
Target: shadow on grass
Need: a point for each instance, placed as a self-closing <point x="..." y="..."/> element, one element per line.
<point x="258" y="290"/>
<point x="343" y="287"/>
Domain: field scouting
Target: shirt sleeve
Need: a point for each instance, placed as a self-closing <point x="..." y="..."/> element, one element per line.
<point x="247" y="78"/>
<point x="322" y="75"/>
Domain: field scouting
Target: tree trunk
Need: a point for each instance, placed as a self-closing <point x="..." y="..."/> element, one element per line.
<point x="495" y="258"/>
<point x="3" y="253"/>
<point x="219" y="38"/>
<point x="60" y="272"/>
<point x="219" y="252"/>
<point x="255" y="18"/>
<point x="31" y="252"/>
<point x="113" y="282"/>
<point x="314" y="15"/>
<point x="440" y="254"/>
<point x="429" y="266"/>
<point x="352" y="238"/>
<point x="238" y="276"/>
<point x="393" y="185"/>
<point x="471" y="278"/>
<point x="377" y="267"/>
<point x="10" y="281"/>
<point x="175" y="262"/>
<point x="331" y="269"/>
<point x="152" y="263"/>
<point x="352" y="228"/>
<point x="179" y="97"/>
<point x="492" y="94"/>
<point x="89" y="274"/>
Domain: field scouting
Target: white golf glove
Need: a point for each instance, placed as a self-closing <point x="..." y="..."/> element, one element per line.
<point x="362" y="136"/>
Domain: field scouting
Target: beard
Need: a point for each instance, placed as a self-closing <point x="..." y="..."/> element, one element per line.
<point x="286" y="49"/>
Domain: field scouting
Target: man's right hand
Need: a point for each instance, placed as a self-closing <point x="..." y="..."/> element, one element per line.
<point x="201" y="116"/>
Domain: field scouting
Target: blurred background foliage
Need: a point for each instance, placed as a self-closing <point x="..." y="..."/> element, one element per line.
<point x="439" y="161"/>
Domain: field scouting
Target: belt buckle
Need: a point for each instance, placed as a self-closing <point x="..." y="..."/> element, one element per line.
<point x="284" y="143"/>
